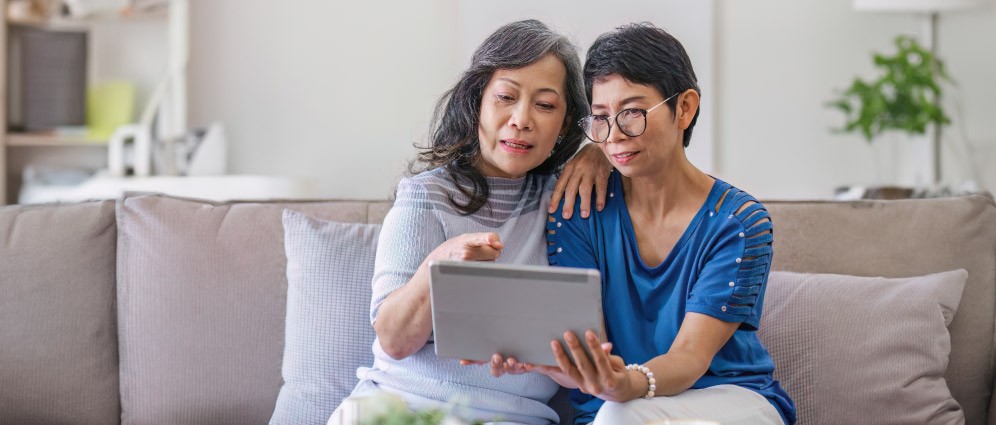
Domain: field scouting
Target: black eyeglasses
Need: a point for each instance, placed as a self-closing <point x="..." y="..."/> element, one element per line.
<point x="632" y="122"/>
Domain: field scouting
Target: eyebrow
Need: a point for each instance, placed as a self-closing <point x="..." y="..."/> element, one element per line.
<point x="516" y="84"/>
<point x="625" y="101"/>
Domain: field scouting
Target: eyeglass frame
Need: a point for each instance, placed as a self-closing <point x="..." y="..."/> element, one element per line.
<point x="616" y="118"/>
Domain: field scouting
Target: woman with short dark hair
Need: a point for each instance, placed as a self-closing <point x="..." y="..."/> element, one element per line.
<point x="684" y="257"/>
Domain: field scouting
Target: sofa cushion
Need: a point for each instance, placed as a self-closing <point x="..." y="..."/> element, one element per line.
<point x="201" y="305"/>
<point x="863" y="349"/>
<point x="329" y="269"/>
<point x="58" y="337"/>
<point x="901" y="239"/>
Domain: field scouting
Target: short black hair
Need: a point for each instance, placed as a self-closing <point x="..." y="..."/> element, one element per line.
<point x="453" y="137"/>
<point x="643" y="54"/>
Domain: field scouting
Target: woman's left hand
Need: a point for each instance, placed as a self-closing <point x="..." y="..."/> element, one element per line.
<point x="588" y="168"/>
<point x="602" y="374"/>
<point x="500" y="365"/>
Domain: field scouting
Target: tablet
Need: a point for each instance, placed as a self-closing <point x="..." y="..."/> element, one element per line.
<point x="483" y="308"/>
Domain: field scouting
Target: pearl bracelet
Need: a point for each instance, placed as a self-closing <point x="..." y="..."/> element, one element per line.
<point x="650" y="378"/>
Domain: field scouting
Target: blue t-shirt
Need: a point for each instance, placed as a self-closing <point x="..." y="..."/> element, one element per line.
<point x="719" y="267"/>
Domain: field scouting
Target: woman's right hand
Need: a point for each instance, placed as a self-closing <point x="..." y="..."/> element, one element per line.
<point x="405" y="320"/>
<point x="484" y="246"/>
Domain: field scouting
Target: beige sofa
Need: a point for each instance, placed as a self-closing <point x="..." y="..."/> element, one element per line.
<point x="159" y="310"/>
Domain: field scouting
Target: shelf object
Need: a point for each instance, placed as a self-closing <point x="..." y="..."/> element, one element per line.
<point x="213" y="188"/>
<point x="109" y="25"/>
<point x="49" y="139"/>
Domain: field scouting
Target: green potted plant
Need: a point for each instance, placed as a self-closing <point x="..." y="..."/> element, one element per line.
<point x="384" y="408"/>
<point x="905" y="97"/>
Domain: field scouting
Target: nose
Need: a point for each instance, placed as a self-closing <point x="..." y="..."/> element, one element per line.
<point x="615" y="134"/>
<point x="521" y="117"/>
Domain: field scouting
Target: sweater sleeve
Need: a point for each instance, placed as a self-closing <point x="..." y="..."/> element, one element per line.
<point x="411" y="230"/>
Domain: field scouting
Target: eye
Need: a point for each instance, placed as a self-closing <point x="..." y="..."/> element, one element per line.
<point x="504" y="97"/>
<point x="546" y="106"/>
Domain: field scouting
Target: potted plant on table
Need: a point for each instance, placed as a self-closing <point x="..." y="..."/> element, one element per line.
<point x="904" y="98"/>
<point x="384" y="408"/>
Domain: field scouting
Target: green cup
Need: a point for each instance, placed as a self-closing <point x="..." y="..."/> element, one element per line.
<point x="109" y="105"/>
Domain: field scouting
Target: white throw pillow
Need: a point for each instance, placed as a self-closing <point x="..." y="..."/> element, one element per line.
<point x="328" y="332"/>
<point x="869" y="350"/>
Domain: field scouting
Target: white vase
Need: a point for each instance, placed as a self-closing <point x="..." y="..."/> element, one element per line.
<point x="903" y="160"/>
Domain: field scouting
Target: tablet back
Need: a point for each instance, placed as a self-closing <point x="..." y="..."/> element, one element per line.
<point x="482" y="308"/>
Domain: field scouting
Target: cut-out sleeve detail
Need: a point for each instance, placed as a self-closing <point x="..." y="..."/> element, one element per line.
<point x="569" y="242"/>
<point x="731" y="284"/>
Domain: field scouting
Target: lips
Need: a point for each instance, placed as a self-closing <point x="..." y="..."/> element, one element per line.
<point x="515" y="145"/>
<point x="624" y="157"/>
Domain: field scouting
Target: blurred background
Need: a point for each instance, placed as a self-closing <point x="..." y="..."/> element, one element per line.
<point x="306" y="98"/>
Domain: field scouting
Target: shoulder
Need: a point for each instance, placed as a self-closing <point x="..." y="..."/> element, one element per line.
<point x="436" y="179"/>
<point x="427" y="190"/>
<point x="737" y="206"/>
<point x="425" y="187"/>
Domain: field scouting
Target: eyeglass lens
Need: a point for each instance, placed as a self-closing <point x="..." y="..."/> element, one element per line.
<point x="632" y="122"/>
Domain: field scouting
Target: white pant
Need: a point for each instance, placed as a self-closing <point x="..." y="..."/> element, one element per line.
<point x="725" y="404"/>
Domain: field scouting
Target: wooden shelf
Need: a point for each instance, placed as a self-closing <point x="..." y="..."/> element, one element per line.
<point x="48" y="139"/>
<point x="70" y="23"/>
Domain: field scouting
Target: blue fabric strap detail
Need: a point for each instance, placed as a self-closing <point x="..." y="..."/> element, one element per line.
<point x="738" y="199"/>
<point x="740" y="310"/>
<point x="753" y="267"/>
<point x="751" y="221"/>
<point x="751" y="280"/>
<point x="742" y="215"/>
<point x="758" y="240"/>
<point x="743" y="300"/>
<point x="551" y="248"/>
<point x="759" y="251"/>
<point x="762" y="227"/>
<point x="747" y="290"/>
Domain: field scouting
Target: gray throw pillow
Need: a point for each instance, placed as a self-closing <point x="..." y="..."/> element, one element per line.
<point x="58" y="334"/>
<point x="328" y="334"/>
<point x="863" y="349"/>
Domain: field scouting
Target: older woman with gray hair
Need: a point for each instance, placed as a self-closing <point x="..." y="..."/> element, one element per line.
<point x="480" y="192"/>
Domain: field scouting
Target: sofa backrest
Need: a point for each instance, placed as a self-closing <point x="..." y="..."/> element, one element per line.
<point x="201" y="298"/>
<point x="903" y="239"/>
<point x="58" y="337"/>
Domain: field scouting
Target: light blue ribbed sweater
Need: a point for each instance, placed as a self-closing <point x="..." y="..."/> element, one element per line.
<point x="421" y="219"/>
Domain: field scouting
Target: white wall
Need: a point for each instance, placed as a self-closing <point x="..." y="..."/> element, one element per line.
<point x="338" y="91"/>
<point x="780" y="60"/>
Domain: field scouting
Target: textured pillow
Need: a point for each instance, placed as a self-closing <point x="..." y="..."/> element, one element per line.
<point x="58" y="335"/>
<point x="201" y="303"/>
<point x="328" y="334"/>
<point x="863" y="349"/>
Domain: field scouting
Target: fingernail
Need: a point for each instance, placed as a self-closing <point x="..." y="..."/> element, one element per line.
<point x="584" y="213"/>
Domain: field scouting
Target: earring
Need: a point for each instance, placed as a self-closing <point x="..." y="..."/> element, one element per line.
<point x="560" y="139"/>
